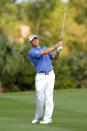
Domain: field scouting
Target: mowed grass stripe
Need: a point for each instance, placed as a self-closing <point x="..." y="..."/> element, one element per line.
<point x="70" y="111"/>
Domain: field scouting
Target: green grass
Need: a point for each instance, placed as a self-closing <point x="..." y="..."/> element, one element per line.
<point x="70" y="112"/>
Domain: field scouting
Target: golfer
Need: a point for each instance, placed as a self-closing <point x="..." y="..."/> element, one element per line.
<point x="45" y="78"/>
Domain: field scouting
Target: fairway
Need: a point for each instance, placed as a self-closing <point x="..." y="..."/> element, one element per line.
<point x="70" y="111"/>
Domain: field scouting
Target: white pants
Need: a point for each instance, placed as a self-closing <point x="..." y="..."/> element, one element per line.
<point x="44" y="95"/>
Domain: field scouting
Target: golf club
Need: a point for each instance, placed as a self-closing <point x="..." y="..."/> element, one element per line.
<point x="63" y="24"/>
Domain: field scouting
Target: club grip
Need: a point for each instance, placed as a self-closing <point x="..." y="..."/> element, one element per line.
<point x="61" y="39"/>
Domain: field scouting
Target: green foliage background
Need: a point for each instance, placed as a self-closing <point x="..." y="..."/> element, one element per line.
<point x="45" y="19"/>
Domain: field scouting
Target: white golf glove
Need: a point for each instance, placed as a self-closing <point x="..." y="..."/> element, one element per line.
<point x="59" y="48"/>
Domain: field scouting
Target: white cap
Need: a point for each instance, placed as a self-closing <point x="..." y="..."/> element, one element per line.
<point x="31" y="37"/>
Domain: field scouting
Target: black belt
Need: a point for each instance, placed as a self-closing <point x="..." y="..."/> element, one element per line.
<point x="44" y="73"/>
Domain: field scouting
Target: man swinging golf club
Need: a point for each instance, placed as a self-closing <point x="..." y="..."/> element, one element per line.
<point x="45" y="78"/>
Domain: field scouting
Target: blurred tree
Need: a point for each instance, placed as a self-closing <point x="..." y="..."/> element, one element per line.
<point x="37" y="11"/>
<point x="80" y="8"/>
<point x="76" y="25"/>
<point x="77" y="64"/>
<point x="74" y="37"/>
<point x="12" y="17"/>
<point x="16" y="70"/>
<point x="71" y="72"/>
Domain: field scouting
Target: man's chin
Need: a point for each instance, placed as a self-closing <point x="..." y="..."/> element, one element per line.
<point x="35" y="46"/>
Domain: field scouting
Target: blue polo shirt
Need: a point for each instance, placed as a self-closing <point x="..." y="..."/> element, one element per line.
<point x="42" y="62"/>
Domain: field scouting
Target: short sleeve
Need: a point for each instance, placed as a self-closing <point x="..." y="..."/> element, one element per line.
<point x="35" y="53"/>
<point x="51" y="54"/>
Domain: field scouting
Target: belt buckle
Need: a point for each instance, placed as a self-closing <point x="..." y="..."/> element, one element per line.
<point x="46" y="73"/>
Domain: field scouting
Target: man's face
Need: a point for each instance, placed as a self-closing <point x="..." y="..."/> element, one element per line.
<point x="34" y="42"/>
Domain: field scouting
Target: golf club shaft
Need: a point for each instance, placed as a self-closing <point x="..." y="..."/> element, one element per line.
<point x="63" y="27"/>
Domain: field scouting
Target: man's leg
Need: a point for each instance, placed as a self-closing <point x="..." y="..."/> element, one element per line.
<point x="49" y="104"/>
<point x="39" y="98"/>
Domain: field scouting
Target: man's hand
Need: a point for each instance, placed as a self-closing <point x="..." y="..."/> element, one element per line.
<point x="59" y="48"/>
<point x="59" y="44"/>
<point x="48" y="50"/>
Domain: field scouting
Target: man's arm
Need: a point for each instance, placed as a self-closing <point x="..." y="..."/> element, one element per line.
<point x="48" y="50"/>
<point x="56" y="55"/>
